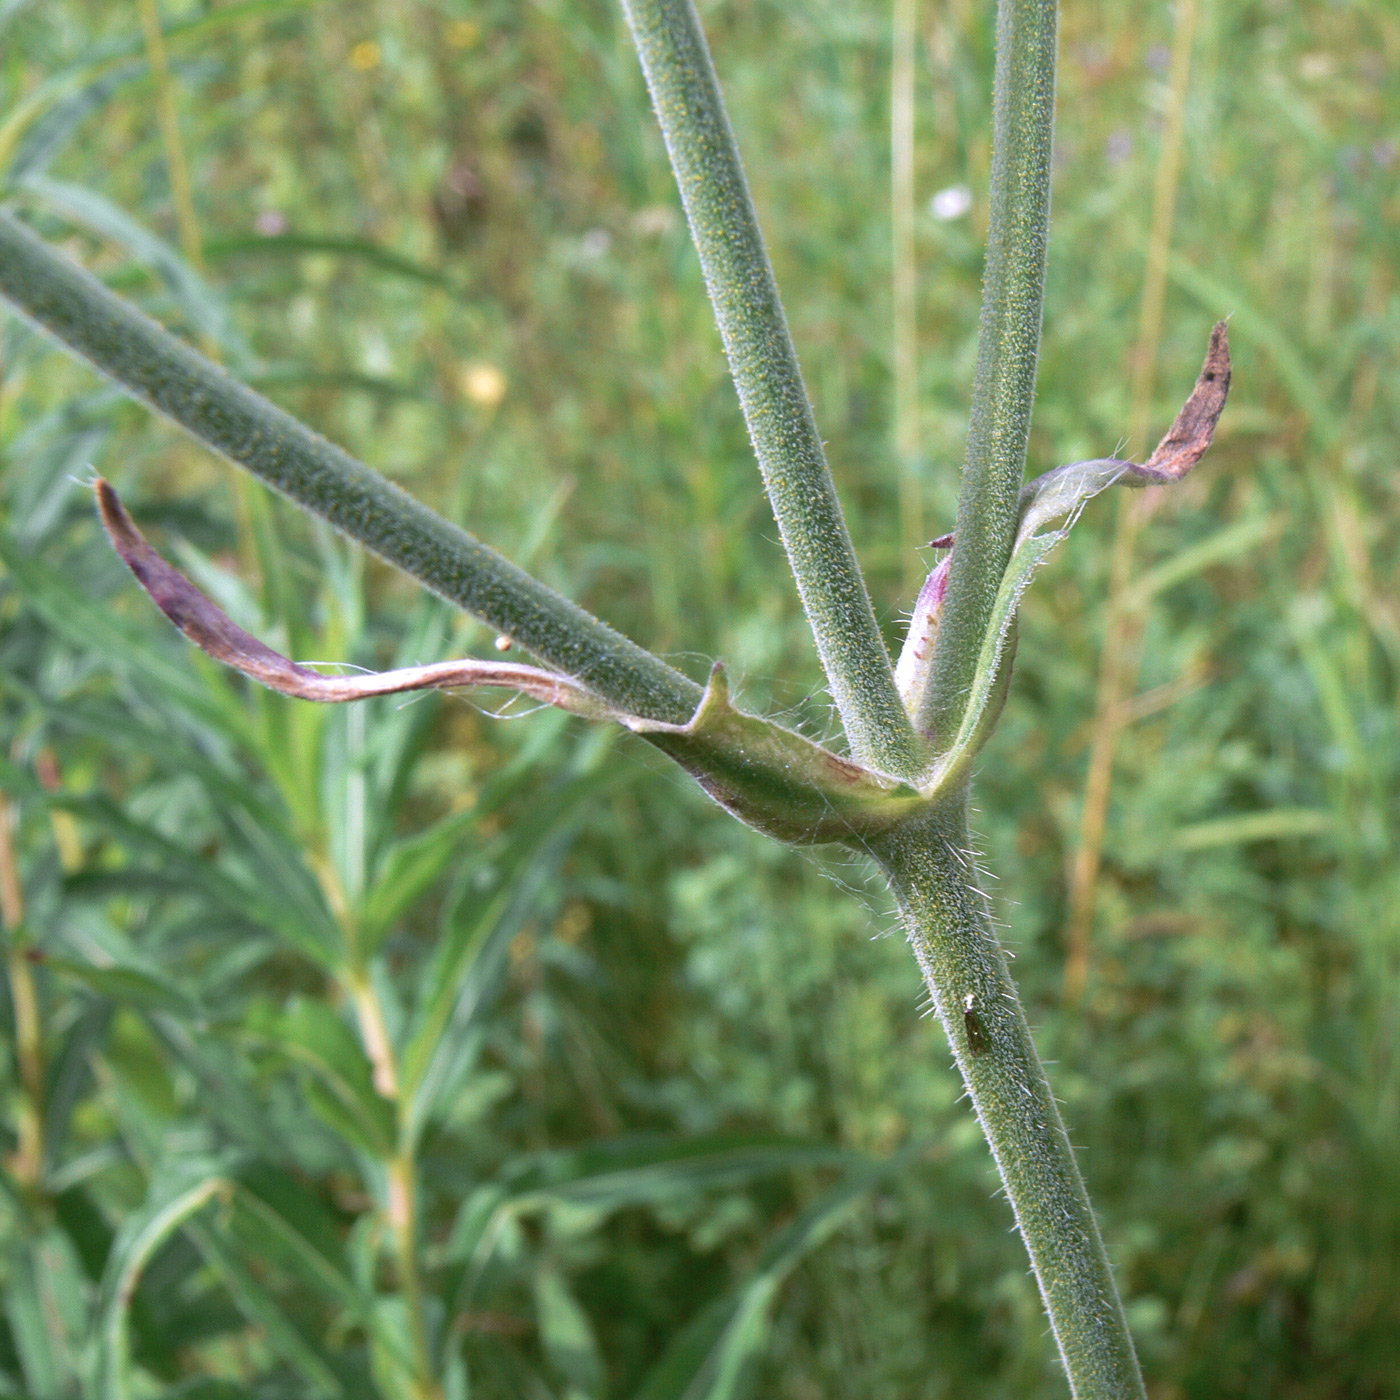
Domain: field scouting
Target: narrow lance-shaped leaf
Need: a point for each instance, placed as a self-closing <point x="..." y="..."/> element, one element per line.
<point x="174" y="1198"/>
<point x="709" y="1358"/>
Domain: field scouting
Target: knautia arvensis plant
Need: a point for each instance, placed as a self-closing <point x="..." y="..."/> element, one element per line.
<point x="900" y="795"/>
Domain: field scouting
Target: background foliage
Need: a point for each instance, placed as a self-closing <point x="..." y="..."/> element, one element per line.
<point x="407" y="1051"/>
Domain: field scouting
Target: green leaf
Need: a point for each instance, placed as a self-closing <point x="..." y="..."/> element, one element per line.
<point x="262" y="1307"/>
<point x="46" y="1306"/>
<point x="1219" y="547"/>
<point x="175" y="1195"/>
<point x="710" y="1358"/>
<point x="296" y="245"/>
<point x="284" y="898"/>
<point x="409" y="869"/>
<point x="71" y="1068"/>
<point x="459" y="981"/>
<point x="90" y="626"/>
<point x="612" y="1176"/>
<point x="646" y="1170"/>
<point x="341" y="1083"/>
<point x="126" y="985"/>
<point x="40" y="493"/>
<point x="226" y="1094"/>
<point x="566" y="1334"/>
<point x="391" y="1348"/>
<point x="276" y="1218"/>
<point x="56" y="128"/>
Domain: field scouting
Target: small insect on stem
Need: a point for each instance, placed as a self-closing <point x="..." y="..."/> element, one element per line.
<point x="976" y="1036"/>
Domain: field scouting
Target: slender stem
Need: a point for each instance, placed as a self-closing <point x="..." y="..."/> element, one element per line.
<point x="176" y="165"/>
<point x="753" y="326"/>
<point x="1007" y="347"/>
<point x="400" y="1174"/>
<point x="904" y="285"/>
<point x="932" y="870"/>
<point x="374" y="1031"/>
<point x="28" y="1160"/>
<point x="154" y="367"/>
<point x="1118" y="660"/>
<point x="402" y="1182"/>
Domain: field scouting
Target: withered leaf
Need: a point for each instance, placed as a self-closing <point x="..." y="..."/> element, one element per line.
<point x="219" y="636"/>
<point x="1187" y="439"/>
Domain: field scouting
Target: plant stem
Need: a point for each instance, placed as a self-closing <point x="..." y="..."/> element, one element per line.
<point x="1118" y="660"/>
<point x="400" y="1173"/>
<point x="154" y="367"/>
<point x="402" y="1184"/>
<point x="724" y="225"/>
<point x="27" y="1164"/>
<point x="932" y="870"/>
<point x="1007" y="346"/>
<point x="176" y="166"/>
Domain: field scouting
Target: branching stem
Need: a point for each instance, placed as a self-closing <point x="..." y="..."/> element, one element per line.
<point x="763" y="361"/>
<point x="1007" y="346"/>
<point x="920" y="840"/>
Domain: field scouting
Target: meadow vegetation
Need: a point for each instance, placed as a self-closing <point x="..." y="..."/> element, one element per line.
<point x="421" y="1050"/>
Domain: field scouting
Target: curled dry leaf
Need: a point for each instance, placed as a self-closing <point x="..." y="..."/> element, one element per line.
<point x="1187" y="439"/>
<point x="1063" y="492"/>
<point x="219" y="636"/>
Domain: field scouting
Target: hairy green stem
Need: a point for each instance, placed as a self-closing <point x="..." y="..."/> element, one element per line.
<point x="1007" y="345"/>
<point x="723" y="223"/>
<point x="156" y="368"/>
<point x="933" y="871"/>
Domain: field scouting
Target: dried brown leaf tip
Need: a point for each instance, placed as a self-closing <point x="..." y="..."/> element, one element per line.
<point x="1186" y="441"/>
<point x="214" y="633"/>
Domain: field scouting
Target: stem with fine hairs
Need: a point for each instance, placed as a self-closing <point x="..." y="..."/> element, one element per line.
<point x="153" y="366"/>
<point x="1008" y="344"/>
<point x="763" y="361"/>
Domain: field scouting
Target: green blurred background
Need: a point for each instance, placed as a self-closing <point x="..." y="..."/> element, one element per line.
<point x="687" y="1129"/>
